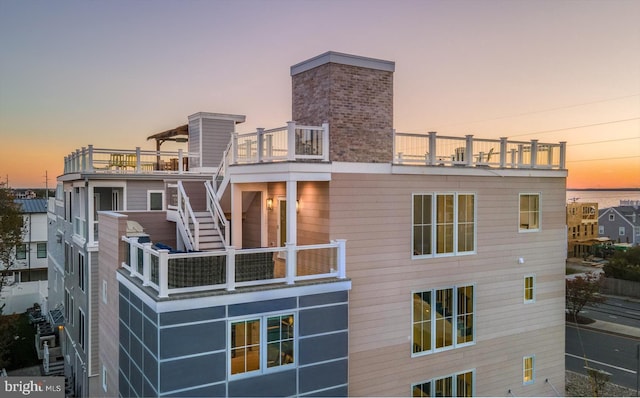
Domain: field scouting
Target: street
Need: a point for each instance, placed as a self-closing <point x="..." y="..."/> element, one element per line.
<point x="613" y="354"/>
<point x="615" y="310"/>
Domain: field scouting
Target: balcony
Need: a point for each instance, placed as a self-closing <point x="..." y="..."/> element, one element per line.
<point x="434" y="150"/>
<point x="137" y="161"/>
<point x="170" y="273"/>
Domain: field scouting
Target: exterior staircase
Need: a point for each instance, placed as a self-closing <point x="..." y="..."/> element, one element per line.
<point x="210" y="238"/>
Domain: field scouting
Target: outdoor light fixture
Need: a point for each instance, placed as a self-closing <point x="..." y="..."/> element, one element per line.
<point x="297" y="206"/>
<point x="270" y="204"/>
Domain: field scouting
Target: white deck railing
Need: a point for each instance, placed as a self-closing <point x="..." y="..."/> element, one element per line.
<point x="173" y="273"/>
<point x="99" y="160"/>
<point x="434" y="150"/>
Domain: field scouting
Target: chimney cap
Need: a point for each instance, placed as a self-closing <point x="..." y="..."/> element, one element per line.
<point x="345" y="59"/>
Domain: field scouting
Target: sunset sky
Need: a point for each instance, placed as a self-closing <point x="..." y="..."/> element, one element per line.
<point x="111" y="73"/>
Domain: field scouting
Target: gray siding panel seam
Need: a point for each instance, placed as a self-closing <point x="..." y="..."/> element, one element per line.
<point x="309" y="393"/>
<point x="324" y="362"/>
<point x="190" y="323"/>
<point x="323" y="306"/>
<point x="193" y="387"/>
<point x="191" y="356"/>
<point x="308" y="336"/>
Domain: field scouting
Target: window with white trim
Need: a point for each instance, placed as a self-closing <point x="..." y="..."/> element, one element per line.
<point x="155" y="200"/>
<point x="621" y="231"/>
<point x="261" y="344"/>
<point x="81" y="328"/>
<point x="612" y="217"/>
<point x="600" y="229"/>
<point x="443" y="224"/>
<point x="528" y="369"/>
<point x="21" y="252"/>
<point x="456" y="385"/>
<point x="529" y="212"/>
<point x="104" y="291"/>
<point x="443" y="319"/>
<point x="41" y="248"/>
<point x="104" y="378"/>
<point x="529" y="288"/>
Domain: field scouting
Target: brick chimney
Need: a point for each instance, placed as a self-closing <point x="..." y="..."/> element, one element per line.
<point x="355" y="96"/>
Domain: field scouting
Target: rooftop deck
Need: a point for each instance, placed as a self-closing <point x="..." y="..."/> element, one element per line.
<point x="311" y="143"/>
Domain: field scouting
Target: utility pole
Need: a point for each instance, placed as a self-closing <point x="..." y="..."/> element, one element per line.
<point x="46" y="185"/>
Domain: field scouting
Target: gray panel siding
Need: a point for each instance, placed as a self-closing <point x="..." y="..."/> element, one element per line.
<point x="193" y="357"/>
<point x="203" y="314"/>
<point x="323" y="319"/>
<point x="324" y="347"/>
<point x="137" y="193"/>
<point x="342" y="391"/>
<point x="194" y="140"/>
<point x="262" y="306"/>
<point x="216" y="134"/>
<point x="192" y="371"/>
<point x="192" y="339"/>
<point x="276" y="384"/>
<point x="320" y="376"/>
<point x="325" y="298"/>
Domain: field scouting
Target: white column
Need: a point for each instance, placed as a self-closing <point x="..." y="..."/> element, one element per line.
<point x="231" y="268"/>
<point x="292" y="221"/>
<point x="236" y="216"/>
<point x="163" y="271"/>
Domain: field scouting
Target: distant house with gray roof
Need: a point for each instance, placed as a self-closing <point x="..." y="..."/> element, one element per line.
<point x="622" y="223"/>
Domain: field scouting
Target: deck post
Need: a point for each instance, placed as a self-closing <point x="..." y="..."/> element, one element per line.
<point x="291" y="263"/>
<point x="137" y="159"/>
<point x="231" y="268"/>
<point x="90" y="161"/>
<point x="432" y="147"/>
<point x="325" y="141"/>
<point x="259" y="143"/>
<point x="291" y="140"/>
<point x="180" y="161"/>
<point x="163" y="271"/>
<point x="146" y="264"/>
<point x="534" y="153"/>
<point x="503" y="151"/>
<point x="469" y="150"/>
<point x="563" y="149"/>
<point x="342" y="258"/>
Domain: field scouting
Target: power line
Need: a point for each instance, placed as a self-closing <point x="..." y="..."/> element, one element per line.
<point x="546" y="110"/>
<point x="576" y="127"/>
<point x="591" y="160"/>
<point x="600" y="142"/>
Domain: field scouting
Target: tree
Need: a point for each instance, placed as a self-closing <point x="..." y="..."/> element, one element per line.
<point x="11" y="229"/>
<point x="624" y="265"/>
<point x="582" y="290"/>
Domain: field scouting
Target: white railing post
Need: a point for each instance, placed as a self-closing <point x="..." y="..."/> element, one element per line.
<point x="83" y="158"/>
<point x="234" y="148"/>
<point x="231" y="268"/>
<point x="291" y="262"/>
<point x="342" y="258"/>
<point x="146" y="264"/>
<point x="133" y="256"/>
<point x="259" y="143"/>
<point x="563" y="148"/>
<point x="325" y="141"/>
<point x="180" y="161"/>
<point x="534" y="153"/>
<point x="503" y="151"/>
<point x="291" y="140"/>
<point x="78" y="161"/>
<point x="469" y="150"/>
<point x="163" y="273"/>
<point x="90" y="161"/>
<point x="394" y="156"/>
<point x="66" y="165"/>
<point x="137" y="159"/>
<point x="520" y="155"/>
<point x="432" y="147"/>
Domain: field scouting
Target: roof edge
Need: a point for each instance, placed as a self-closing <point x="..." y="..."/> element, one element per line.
<point x="344" y="59"/>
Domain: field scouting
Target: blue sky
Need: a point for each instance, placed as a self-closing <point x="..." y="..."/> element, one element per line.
<point x="110" y="73"/>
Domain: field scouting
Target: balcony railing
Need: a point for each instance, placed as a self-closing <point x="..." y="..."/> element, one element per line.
<point x="174" y="273"/>
<point x="98" y="160"/>
<point x="291" y="142"/>
<point x="434" y="150"/>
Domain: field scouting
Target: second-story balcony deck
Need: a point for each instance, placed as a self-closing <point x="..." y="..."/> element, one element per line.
<point x="170" y="273"/>
<point x="102" y="160"/>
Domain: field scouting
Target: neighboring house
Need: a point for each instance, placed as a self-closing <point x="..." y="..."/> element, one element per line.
<point x="622" y="223"/>
<point x="582" y="228"/>
<point x="30" y="266"/>
<point x="330" y="257"/>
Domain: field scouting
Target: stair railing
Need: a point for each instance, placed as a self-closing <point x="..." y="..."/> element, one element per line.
<point x="189" y="225"/>
<point x="220" y="179"/>
<point x="213" y="206"/>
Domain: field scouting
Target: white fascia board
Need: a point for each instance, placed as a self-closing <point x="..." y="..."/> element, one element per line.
<point x="477" y="171"/>
<point x="284" y="171"/>
<point x="230" y="298"/>
<point x="217" y="116"/>
<point x="361" y="168"/>
<point x="344" y="59"/>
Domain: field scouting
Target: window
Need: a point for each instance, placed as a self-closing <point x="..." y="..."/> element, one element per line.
<point x="530" y="212"/>
<point x="67" y="257"/>
<point x="82" y="274"/>
<point x="443" y="224"/>
<point x="155" y="200"/>
<point x="21" y="252"/>
<point x="600" y="230"/>
<point x="437" y="314"/>
<point x="67" y="306"/>
<point x="528" y="364"/>
<point x="456" y="385"/>
<point x="529" y="289"/>
<point x="71" y="310"/>
<point x="612" y="217"/>
<point x="621" y="231"/>
<point x="81" y="328"/>
<point x="261" y="343"/>
<point x="42" y="249"/>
